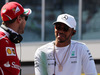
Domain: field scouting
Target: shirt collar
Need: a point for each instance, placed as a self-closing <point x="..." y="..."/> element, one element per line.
<point x="7" y="34"/>
<point x="12" y="30"/>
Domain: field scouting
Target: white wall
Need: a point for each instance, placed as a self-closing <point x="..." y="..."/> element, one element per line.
<point x="28" y="49"/>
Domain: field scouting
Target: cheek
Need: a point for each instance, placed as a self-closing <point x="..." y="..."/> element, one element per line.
<point x="55" y="33"/>
<point x="23" y="23"/>
<point x="22" y="26"/>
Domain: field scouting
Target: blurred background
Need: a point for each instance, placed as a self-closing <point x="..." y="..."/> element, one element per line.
<point x="39" y="29"/>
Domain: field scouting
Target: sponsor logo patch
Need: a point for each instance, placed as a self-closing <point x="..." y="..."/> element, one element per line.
<point x="12" y="64"/>
<point x="36" y="62"/>
<point x="10" y="51"/>
<point x="65" y="17"/>
<point x="17" y="10"/>
<point x="50" y="56"/>
<point x="89" y="54"/>
<point x="7" y="64"/>
<point x="3" y="10"/>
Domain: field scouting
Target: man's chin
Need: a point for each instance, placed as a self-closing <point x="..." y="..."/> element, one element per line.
<point x="60" y="41"/>
<point x="21" y="32"/>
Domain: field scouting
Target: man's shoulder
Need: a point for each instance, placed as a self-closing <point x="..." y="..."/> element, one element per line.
<point x="73" y="42"/>
<point x="44" y="48"/>
<point x="79" y="45"/>
<point x="48" y="45"/>
<point x="2" y="35"/>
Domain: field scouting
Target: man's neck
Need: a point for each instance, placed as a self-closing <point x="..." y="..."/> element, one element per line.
<point x="63" y="44"/>
<point x="13" y="26"/>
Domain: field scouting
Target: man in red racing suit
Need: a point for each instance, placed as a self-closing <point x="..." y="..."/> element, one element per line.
<point x="14" y="18"/>
<point x="9" y="62"/>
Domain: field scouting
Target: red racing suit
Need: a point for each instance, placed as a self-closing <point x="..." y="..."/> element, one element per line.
<point x="9" y="61"/>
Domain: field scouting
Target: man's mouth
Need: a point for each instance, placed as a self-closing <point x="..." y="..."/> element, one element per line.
<point x="61" y="35"/>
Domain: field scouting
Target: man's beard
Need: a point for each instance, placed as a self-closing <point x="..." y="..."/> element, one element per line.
<point x="67" y="39"/>
<point x="60" y="41"/>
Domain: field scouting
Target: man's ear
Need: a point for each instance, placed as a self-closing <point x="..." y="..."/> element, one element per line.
<point x="74" y="32"/>
<point x="19" y="19"/>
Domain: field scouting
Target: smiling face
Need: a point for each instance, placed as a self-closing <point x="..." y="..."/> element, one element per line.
<point x="63" y="33"/>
